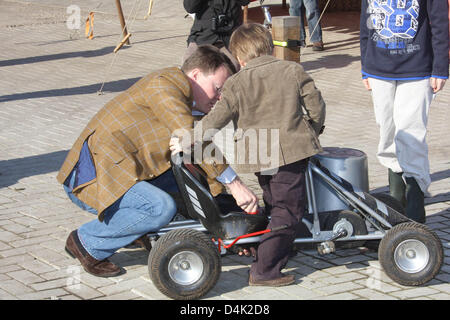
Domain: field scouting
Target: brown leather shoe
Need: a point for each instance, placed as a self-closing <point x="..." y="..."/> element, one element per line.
<point x="279" y="282"/>
<point x="318" y="46"/>
<point x="103" y="268"/>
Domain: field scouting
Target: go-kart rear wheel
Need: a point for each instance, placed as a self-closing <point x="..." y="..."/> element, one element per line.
<point x="411" y="254"/>
<point x="357" y="223"/>
<point x="184" y="264"/>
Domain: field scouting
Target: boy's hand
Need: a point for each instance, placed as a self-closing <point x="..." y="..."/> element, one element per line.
<point x="437" y="84"/>
<point x="244" y="197"/>
<point x="366" y="84"/>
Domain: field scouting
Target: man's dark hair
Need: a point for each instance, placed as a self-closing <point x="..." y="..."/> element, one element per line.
<point x="208" y="59"/>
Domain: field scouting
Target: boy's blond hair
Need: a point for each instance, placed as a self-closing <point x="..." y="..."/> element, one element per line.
<point x="250" y="41"/>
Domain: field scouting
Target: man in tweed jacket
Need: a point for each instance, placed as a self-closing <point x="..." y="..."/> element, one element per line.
<point x="119" y="167"/>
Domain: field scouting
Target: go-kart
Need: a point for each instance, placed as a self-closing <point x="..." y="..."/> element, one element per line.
<point x="185" y="259"/>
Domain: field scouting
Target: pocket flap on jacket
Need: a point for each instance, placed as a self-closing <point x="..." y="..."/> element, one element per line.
<point x="110" y="153"/>
<point x="126" y="143"/>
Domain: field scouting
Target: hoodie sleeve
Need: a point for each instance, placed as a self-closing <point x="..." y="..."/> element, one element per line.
<point x="363" y="32"/>
<point x="439" y="21"/>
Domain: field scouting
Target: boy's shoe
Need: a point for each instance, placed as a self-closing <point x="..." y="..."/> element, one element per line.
<point x="103" y="268"/>
<point x="318" y="46"/>
<point x="303" y="43"/>
<point x="415" y="208"/>
<point x="397" y="187"/>
<point x="279" y="282"/>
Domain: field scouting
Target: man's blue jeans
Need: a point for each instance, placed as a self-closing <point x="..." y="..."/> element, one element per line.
<point x="144" y="208"/>
<point x="312" y="15"/>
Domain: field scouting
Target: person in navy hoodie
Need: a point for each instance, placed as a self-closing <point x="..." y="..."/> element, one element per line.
<point x="405" y="62"/>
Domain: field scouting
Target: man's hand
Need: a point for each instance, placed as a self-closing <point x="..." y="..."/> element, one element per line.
<point x="437" y="84"/>
<point x="175" y="145"/>
<point x="244" y="197"/>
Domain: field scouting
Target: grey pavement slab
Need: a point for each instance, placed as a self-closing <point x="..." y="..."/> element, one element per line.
<point x="50" y="76"/>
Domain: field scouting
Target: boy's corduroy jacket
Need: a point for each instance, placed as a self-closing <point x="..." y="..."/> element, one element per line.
<point x="269" y="97"/>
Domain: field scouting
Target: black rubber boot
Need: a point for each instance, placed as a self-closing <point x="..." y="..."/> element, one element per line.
<point x="397" y="187"/>
<point x="415" y="207"/>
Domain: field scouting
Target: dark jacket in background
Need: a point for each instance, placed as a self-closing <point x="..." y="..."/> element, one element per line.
<point x="201" y="31"/>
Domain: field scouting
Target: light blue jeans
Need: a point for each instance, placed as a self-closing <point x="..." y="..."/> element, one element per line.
<point x="312" y="15"/>
<point x="144" y="208"/>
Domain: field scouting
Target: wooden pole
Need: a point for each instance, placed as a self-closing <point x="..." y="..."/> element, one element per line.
<point x="286" y="28"/>
<point x="122" y="21"/>
<point x="245" y="14"/>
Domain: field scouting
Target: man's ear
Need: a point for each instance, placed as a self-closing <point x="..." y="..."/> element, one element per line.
<point x="194" y="74"/>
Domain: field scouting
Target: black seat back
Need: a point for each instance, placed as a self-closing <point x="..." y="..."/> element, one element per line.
<point x="195" y="192"/>
<point x="202" y="206"/>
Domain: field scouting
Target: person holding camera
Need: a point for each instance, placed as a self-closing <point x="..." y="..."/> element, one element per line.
<point x="214" y="22"/>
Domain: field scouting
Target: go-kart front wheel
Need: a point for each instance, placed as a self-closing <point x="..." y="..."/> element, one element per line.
<point x="184" y="264"/>
<point x="411" y="254"/>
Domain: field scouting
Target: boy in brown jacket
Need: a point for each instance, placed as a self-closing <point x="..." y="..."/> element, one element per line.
<point x="274" y="105"/>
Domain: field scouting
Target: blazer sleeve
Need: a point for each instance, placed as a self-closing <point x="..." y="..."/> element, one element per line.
<point x="171" y="107"/>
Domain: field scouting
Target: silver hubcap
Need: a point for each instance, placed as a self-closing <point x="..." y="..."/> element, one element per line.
<point x="185" y="268"/>
<point x="411" y="256"/>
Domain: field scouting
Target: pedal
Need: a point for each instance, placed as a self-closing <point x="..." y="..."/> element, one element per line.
<point x="326" y="247"/>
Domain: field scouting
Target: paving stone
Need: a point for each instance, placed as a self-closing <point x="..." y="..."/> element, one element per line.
<point x="370" y="294"/>
<point x="414" y="293"/>
<point x="52" y="294"/>
<point x="15" y="287"/>
<point x="83" y="291"/>
<point x="25" y="276"/>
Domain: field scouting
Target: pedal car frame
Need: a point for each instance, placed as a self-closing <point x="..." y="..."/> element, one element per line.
<point x="184" y="262"/>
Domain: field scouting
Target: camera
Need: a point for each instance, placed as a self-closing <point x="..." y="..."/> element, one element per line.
<point x="222" y="23"/>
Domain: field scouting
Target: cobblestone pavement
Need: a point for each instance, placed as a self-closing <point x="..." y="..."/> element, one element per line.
<point x="49" y="79"/>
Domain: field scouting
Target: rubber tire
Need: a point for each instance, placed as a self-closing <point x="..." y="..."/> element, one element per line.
<point x="359" y="228"/>
<point x="174" y="242"/>
<point x="406" y="231"/>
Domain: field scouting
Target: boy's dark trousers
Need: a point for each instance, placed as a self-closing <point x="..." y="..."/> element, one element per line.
<point x="284" y="195"/>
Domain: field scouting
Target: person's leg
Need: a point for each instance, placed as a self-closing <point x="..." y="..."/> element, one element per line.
<point x="313" y="15"/>
<point x="383" y="97"/>
<point x="144" y="208"/>
<point x="412" y="102"/>
<point x="288" y="199"/>
<point x="295" y="9"/>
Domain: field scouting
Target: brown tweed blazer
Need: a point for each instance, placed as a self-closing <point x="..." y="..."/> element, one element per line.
<point x="129" y="138"/>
